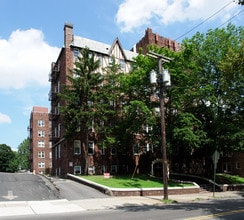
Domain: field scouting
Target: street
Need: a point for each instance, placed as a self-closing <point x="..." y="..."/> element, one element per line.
<point x="27" y="196"/>
<point x="218" y="209"/>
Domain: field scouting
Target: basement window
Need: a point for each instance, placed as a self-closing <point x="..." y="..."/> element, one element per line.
<point x="77" y="169"/>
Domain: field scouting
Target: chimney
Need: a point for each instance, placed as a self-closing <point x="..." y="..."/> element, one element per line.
<point x="68" y="34"/>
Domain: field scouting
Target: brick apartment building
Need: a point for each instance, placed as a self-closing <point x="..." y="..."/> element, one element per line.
<point x="68" y="156"/>
<point x="40" y="147"/>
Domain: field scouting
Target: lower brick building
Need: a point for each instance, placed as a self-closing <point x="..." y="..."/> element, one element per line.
<point x="40" y="147"/>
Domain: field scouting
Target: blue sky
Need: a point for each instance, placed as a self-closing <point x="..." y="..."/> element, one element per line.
<point x="31" y="35"/>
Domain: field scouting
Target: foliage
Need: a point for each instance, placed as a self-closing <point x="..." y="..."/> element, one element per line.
<point x="80" y="94"/>
<point x="219" y="97"/>
<point x="223" y="178"/>
<point x="7" y="159"/>
<point x="240" y="2"/>
<point x="23" y="154"/>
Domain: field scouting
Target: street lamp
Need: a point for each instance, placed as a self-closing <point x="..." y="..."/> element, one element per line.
<point x="162" y="78"/>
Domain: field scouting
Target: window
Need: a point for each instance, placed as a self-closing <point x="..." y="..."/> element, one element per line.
<point x="91" y="170"/>
<point x="41" y="165"/>
<point x="147" y="129"/>
<point x="59" y="129"/>
<point x="57" y="152"/>
<point x="41" y="123"/>
<point x="76" y="54"/>
<point x="149" y="147"/>
<point x="238" y="166"/>
<point x="102" y="151"/>
<point x="103" y="169"/>
<point x="41" y="144"/>
<point x="136" y="149"/>
<point x="90" y="147"/>
<point x="113" y="151"/>
<point x="77" y="169"/>
<point x="113" y="169"/>
<point x="122" y="64"/>
<point x="50" y="155"/>
<point x="41" y="154"/>
<point x="41" y="133"/>
<point x="100" y="58"/>
<point x="77" y="147"/>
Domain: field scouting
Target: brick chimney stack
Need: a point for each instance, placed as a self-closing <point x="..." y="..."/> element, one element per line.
<point x="68" y="34"/>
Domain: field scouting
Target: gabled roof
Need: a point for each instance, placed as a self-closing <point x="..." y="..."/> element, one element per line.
<point x="116" y="41"/>
<point x="102" y="48"/>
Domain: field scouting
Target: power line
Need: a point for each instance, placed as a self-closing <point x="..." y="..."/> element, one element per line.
<point x="204" y="21"/>
<point x="231" y="18"/>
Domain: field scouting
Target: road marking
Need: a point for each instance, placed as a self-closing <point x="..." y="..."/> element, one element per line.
<point x="10" y="195"/>
<point x="215" y="215"/>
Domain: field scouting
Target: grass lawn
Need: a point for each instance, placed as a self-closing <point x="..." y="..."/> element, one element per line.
<point x="139" y="181"/>
<point x="223" y="178"/>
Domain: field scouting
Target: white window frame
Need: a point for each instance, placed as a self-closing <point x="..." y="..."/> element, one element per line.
<point x="41" y="164"/>
<point x="41" y="123"/>
<point x="91" y="169"/>
<point x="41" y="144"/>
<point x="41" y="154"/>
<point x="41" y="133"/>
<point x="77" y="147"/>
<point x="77" y="169"/>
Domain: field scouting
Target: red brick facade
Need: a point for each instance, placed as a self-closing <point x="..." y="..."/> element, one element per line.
<point x="154" y="38"/>
<point x="40" y="148"/>
<point x="232" y="163"/>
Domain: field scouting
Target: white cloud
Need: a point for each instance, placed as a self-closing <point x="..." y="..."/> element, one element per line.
<point x="25" y="59"/>
<point x="4" y="118"/>
<point x="136" y="13"/>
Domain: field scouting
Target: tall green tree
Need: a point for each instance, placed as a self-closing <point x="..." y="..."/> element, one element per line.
<point x="220" y="92"/>
<point x="82" y="102"/>
<point x="24" y="154"/>
<point x="111" y="102"/>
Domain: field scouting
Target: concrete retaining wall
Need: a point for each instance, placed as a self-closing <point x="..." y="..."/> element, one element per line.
<point x="136" y="191"/>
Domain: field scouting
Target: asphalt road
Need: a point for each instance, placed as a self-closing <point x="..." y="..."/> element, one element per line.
<point x="72" y="190"/>
<point x="29" y="187"/>
<point x="25" y="187"/>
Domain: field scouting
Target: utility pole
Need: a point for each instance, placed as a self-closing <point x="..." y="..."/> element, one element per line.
<point x="163" y="80"/>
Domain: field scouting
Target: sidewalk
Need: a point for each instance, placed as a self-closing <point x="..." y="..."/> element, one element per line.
<point x="63" y="206"/>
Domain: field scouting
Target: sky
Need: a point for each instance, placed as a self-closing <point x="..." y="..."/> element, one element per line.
<point x="31" y="36"/>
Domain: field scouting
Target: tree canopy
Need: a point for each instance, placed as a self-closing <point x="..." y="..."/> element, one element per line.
<point x="7" y="159"/>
